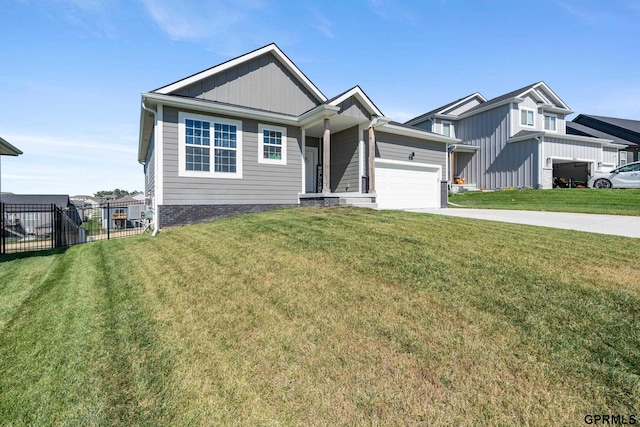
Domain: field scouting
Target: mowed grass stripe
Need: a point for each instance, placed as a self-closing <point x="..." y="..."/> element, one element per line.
<point x="345" y="316"/>
<point x="579" y="200"/>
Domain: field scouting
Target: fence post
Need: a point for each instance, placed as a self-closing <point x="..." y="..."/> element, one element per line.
<point x="3" y="248"/>
<point x="108" y="221"/>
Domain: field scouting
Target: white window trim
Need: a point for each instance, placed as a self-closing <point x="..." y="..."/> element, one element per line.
<point x="520" y="118"/>
<point x="283" y="150"/>
<point x="555" y="116"/>
<point x="622" y="157"/>
<point x="182" y="170"/>
<point x="450" y="128"/>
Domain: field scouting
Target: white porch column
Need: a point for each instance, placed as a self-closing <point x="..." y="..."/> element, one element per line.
<point x="326" y="156"/>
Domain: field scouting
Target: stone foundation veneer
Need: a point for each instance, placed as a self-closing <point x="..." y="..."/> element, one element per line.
<point x="444" y="193"/>
<point x="176" y="215"/>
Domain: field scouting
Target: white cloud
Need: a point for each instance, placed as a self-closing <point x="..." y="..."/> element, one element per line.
<point x="44" y="143"/>
<point x="322" y="24"/>
<point x="194" y="20"/>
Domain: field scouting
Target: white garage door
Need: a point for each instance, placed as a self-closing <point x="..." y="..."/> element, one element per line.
<point x="407" y="185"/>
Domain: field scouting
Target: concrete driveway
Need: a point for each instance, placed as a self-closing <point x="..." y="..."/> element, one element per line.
<point x="616" y="225"/>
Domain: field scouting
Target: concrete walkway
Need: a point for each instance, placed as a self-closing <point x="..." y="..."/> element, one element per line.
<point x="616" y="225"/>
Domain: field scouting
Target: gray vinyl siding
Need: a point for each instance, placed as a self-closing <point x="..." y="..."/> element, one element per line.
<point x="150" y="171"/>
<point x="345" y="172"/>
<point x="353" y="108"/>
<point x="260" y="183"/>
<point x="497" y="164"/>
<point x="398" y="147"/>
<point x="262" y="83"/>
<point x="554" y="147"/>
<point x="462" y="107"/>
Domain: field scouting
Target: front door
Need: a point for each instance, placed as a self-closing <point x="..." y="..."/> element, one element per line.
<point x="311" y="167"/>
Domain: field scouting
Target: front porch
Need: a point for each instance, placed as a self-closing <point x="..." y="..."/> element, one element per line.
<point x="338" y="144"/>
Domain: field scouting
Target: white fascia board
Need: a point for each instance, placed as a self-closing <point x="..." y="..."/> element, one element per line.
<point x="553" y="95"/>
<point x="462" y="101"/>
<point x="490" y="107"/>
<point x="463" y="148"/>
<point x="362" y="97"/>
<point x="416" y="133"/>
<point x="554" y="109"/>
<point x="526" y="137"/>
<point x="317" y="114"/>
<point x="580" y="138"/>
<point x="241" y="59"/>
<point x="210" y="107"/>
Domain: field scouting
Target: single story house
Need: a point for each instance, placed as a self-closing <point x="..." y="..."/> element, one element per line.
<point x="254" y="133"/>
<point x="518" y="139"/>
<point x="27" y="215"/>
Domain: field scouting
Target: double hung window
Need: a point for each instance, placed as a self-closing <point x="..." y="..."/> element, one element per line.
<point x="272" y="144"/>
<point x="527" y="118"/>
<point x="209" y="146"/>
<point x="550" y="122"/>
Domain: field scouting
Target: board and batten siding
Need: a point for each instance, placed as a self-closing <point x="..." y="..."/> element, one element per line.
<point x="260" y="183"/>
<point x="150" y="171"/>
<point x="262" y="83"/>
<point x="497" y="164"/>
<point x="610" y="155"/>
<point x="561" y="148"/>
<point x="398" y="147"/>
<point x="351" y="107"/>
<point x="345" y="168"/>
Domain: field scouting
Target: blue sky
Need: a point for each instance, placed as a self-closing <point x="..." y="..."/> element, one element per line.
<point x="72" y="71"/>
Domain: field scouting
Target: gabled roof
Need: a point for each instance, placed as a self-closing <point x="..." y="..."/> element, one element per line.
<point x="582" y="130"/>
<point x="270" y="48"/>
<point x="626" y="129"/>
<point x="498" y="99"/>
<point x="60" y="200"/>
<point x="423" y="117"/>
<point x="359" y="94"/>
<point x="632" y="125"/>
<point x="7" y="149"/>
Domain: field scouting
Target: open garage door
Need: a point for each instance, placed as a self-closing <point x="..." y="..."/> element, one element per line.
<point x="407" y="185"/>
<point x="570" y="173"/>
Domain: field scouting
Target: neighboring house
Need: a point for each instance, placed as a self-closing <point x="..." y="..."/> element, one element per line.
<point x="88" y="206"/>
<point x="6" y="149"/>
<point x="254" y="133"/>
<point x="122" y="213"/>
<point x="621" y="131"/>
<point x="31" y="214"/>
<point x="518" y="140"/>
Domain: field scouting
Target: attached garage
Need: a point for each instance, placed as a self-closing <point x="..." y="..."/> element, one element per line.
<point x="407" y="185"/>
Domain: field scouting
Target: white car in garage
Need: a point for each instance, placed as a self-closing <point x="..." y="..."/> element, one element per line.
<point x="627" y="176"/>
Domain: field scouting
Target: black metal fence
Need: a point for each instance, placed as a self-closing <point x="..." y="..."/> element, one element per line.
<point x="29" y="227"/>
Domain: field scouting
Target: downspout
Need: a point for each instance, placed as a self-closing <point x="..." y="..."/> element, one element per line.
<point x="155" y="208"/>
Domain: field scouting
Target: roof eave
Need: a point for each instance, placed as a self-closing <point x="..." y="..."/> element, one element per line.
<point x="7" y="149"/>
<point x="417" y="133"/>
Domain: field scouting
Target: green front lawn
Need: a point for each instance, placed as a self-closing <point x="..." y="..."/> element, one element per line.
<point x="333" y="316"/>
<point x="579" y="200"/>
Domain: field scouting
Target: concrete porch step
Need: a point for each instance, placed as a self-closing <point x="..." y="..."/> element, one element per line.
<point x="463" y="188"/>
<point x="359" y="202"/>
